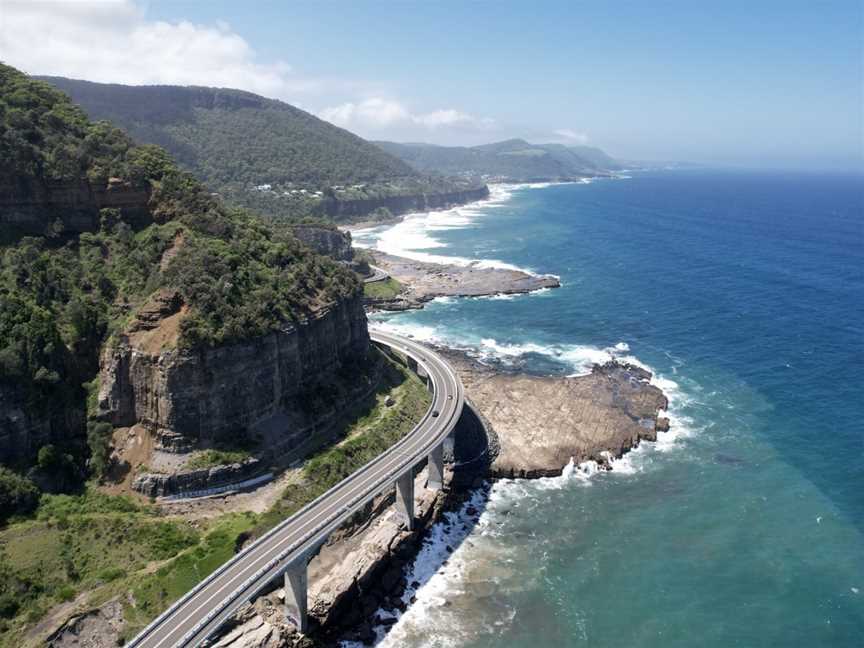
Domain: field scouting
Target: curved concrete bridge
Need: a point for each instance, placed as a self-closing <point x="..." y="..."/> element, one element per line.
<point x="286" y="549"/>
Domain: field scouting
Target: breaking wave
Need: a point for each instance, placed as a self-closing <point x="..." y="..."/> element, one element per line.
<point x="414" y="237"/>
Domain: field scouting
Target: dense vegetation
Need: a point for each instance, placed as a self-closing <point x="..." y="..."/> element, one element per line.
<point x="226" y="136"/>
<point x="99" y="546"/>
<point x="63" y="295"/>
<point x="514" y="160"/>
<point x="257" y="153"/>
<point x="368" y="431"/>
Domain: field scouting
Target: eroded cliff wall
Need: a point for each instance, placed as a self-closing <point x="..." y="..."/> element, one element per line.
<point x="30" y="206"/>
<point x="342" y="209"/>
<point x="210" y="394"/>
<point x="331" y="242"/>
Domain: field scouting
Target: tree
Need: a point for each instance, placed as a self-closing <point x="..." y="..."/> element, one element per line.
<point x="18" y="495"/>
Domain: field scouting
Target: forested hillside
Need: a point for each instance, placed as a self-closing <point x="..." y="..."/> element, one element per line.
<point x="63" y="292"/>
<point x="513" y="160"/>
<point x="256" y="152"/>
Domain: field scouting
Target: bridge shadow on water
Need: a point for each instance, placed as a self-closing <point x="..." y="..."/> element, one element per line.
<point x="474" y="448"/>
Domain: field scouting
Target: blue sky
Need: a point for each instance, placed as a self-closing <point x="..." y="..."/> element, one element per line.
<point x="756" y="83"/>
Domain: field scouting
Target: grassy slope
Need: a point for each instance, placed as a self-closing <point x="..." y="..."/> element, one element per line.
<point x="387" y="289"/>
<point x="109" y="546"/>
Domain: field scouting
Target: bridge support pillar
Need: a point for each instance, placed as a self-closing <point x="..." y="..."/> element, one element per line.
<point x="435" y="468"/>
<point x="296" y="601"/>
<point x="405" y="498"/>
<point x="449" y="447"/>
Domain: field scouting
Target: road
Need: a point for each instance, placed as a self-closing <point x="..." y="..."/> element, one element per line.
<point x="197" y="615"/>
<point x="377" y="275"/>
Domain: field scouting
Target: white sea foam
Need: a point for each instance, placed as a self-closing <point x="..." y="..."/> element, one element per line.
<point x="436" y="582"/>
<point x="580" y="357"/>
<point x="414" y="237"/>
<point x="429" y="621"/>
<point x="419" y="332"/>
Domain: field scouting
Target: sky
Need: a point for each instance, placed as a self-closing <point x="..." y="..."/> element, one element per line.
<point x="756" y="83"/>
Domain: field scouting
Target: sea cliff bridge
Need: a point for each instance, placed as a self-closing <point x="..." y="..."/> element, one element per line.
<point x="285" y="551"/>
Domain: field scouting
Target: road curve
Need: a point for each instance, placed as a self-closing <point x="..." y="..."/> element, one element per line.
<point x="377" y="275"/>
<point x="200" y="612"/>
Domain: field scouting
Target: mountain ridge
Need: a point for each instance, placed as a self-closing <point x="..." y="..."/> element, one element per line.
<point x="515" y="160"/>
<point x="263" y="153"/>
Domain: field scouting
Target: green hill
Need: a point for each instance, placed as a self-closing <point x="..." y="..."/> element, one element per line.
<point x="225" y="136"/>
<point x="514" y="160"/>
<point x="91" y="227"/>
<point x="256" y="152"/>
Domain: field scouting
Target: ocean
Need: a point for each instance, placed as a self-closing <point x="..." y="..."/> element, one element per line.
<point x="744" y="525"/>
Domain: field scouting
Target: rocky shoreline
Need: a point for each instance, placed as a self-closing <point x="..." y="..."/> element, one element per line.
<point x="423" y="281"/>
<point x="362" y="579"/>
<point x="543" y="422"/>
<point x="516" y="425"/>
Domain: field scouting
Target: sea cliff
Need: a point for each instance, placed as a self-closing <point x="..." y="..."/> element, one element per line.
<point x="402" y="204"/>
<point x="188" y="397"/>
<point x="30" y="205"/>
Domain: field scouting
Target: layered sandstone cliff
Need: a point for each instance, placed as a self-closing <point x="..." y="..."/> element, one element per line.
<point x="324" y="240"/>
<point x="205" y="396"/>
<point x="31" y="205"/>
<point x="403" y="204"/>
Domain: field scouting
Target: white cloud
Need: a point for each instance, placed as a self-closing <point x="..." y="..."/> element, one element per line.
<point x="113" y="41"/>
<point x="572" y="136"/>
<point x="376" y="112"/>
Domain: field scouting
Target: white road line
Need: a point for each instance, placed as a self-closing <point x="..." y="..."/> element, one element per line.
<point x="305" y="528"/>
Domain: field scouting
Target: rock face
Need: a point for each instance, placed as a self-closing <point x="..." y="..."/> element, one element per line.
<point x="207" y="395"/>
<point x="541" y="422"/>
<point x="359" y="569"/>
<point x="331" y="242"/>
<point x="31" y="206"/>
<point x="98" y="628"/>
<point x="424" y="281"/>
<point x="156" y="485"/>
<point x="345" y="209"/>
<point x="23" y="430"/>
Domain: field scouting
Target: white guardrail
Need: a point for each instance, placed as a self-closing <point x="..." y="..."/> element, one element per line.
<point x="245" y="591"/>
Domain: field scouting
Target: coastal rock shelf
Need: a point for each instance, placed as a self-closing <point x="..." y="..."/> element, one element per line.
<point x="542" y="422"/>
<point x="426" y="281"/>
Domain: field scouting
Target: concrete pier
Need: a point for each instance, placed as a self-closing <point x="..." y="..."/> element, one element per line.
<point x="405" y="498"/>
<point x="435" y="468"/>
<point x="296" y="596"/>
<point x="449" y="447"/>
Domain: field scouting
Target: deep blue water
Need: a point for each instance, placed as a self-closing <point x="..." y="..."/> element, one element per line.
<point x="744" y="292"/>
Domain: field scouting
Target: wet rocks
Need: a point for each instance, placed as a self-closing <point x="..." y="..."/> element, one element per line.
<point x="542" y="422"/>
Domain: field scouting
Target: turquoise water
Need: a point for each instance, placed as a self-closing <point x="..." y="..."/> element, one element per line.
<point x="742" y="527"/>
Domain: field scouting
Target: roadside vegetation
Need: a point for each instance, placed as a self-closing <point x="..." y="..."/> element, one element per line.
<point x="386" y="289"/>
<point x="211" y="458"/>
<point x="367" y="432"/>
<point x="74" y="544"/>
<point x="64" y="295"/>
<point x="93" y="547"/>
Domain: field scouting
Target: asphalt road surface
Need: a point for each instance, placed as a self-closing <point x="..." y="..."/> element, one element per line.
<point x="199" y="613"/>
